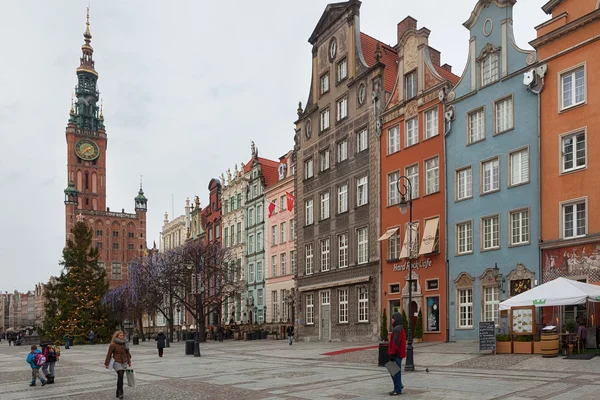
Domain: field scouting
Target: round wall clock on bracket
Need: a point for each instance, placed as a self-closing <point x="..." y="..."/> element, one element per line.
<point x="87" y="149"/>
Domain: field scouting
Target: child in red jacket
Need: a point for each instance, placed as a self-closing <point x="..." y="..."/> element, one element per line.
<point x="397" y="351"/>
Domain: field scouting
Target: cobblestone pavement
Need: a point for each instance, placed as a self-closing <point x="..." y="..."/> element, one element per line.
<point x="271" y="370"/>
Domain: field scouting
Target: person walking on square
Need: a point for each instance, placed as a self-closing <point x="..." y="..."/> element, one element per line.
<point x="50" y="352"/>
<point x="290" y="333"/>
<point x="35" y="359"/>
<point x="397" y="351"/>
<point x="119" y="352"/>
<point x="161" y="341"/>
<point x="92" y="336"/>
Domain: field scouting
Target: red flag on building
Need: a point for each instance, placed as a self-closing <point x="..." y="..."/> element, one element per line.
<point x="290" y="201"/>
<point x="271" y="208"/>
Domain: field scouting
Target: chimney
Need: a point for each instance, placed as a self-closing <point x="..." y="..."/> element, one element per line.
<point x="434" y="55"/>
<point x="447" y="67"/>
<point x="406" y="24"/>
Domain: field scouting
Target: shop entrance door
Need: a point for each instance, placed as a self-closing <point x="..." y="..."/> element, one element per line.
<point x="414" y="310"/>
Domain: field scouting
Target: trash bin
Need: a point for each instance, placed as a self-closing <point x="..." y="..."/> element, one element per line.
<point x="189" y="347"/>
<point x="383" y="356"/>
<point x="136" y="340"/>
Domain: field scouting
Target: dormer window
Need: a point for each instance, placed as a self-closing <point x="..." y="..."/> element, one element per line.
<point x="488" y="65"/>
<point x="282" y="169"/>
<point x="410" y="84"/>
<point x="342" y="70"/>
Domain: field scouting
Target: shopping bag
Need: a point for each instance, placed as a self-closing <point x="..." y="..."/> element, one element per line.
<point x="392" y="367"/>
<point x="130" y="377"/>
<point x="111" y="364"/>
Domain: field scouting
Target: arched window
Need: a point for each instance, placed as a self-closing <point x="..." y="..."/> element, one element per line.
<point x="94" y="183"/>
<point x="79" y="181"/>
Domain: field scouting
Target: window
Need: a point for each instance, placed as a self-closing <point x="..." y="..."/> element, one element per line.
<point x="115" y="234"/>
<point x="259" y="273"/>
<point x="324" y="122"/>
<point x="342" y="70"/>
<point x="259" y="213"/>
<point x="573" y="153"/>
<point x="342" y="201"/>
<point x="217" y="231"/>
<point x="393" y="142"/>
<point x="519" y="167"/>
<point x="309" y="258"/>
<point x="99" y="245"/>
<point x="343" y="250"/>
<point x="465" y="308"/>
<point x="572" y="88"/>
<point x="519" y="225"/>
<point x="433" y="313"/>
<point x="239" y="200"/>
<point x="231" y="203"/>
<point x="130" y="246"/>
<point x="491" y="233"/>
<point x="283" y="233"/>
<point x="362" y="191"/>
<point x="342" y="151"/>
<point x="410" y="84"/>
<point x="99" y="232"/>
<point x="239" y="232"/>
<point x="226" y="207"/>
<point x="273" y="235"/>
<point x="464" y="238"/>
<point x="293" y="262"/>
<point x="464" y="183"/>
<point x="115" y="246"/>
<point x="476" y="126"/>
<point x="343" y="306"/>
<point x="325" y="83"/>
<point x="308" y="212"/>
<point x="490" y="176"/>
<point x="574" y="219"/>
<point x="250" y="244"/>
<point x="308" y="169"/>
<point x="325" y="255"/>
<point x="276" y="209"/>
<point x="489" y="69"/>
<point x="362" y="239"/>
<point x="394" y="246"/>
<point x="226" y="236"/>
<point x="274" y="266"/>
<point x="362" y="142"/>
<point x="432" y="175"/>
<point x="282" y="258"/>
<point x="284" y="310"/>
<point x="292" y="229"/>
<point x="115" y="272"/>
<point x="412" y="173"/>
<point x="310" y="309"/>
<point x="131" y="235"/>
<point x="504" y="115"/>
<point x="324" y="206"/>
<point x="283" y="203"/>
<point x="259" y="241"/>
<point x="250" y="216"/>
<point x="491" y="304"/>
<point x="393" y="194"/>
<point x="341" y="109"/>
<point x="431" y="124"/>
<point x="411" y="132"/>
<point x="259" y="297"/>
<point x="363" y="304"/>
<point x="275" y="305"/>
<point x="324" y="161"/>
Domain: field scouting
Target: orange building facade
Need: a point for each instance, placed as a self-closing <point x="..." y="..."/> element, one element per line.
<point x="568" y="45"/>
<point x="412" y="145"/>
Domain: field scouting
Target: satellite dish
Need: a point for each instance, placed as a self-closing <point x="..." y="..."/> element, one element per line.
<point x="528" y="77"/>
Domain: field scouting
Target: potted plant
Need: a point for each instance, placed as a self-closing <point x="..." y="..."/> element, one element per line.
<point x="404" y="320"/>
<point x="537" y="345"/>
<point x="383" y="344"/>
<point x="503" y="344"/>
<point x="419" y="328"/>
<point x="523" y="345"/>
<point x="570" y="326"/>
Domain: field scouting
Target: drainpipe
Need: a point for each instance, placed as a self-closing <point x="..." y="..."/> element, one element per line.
<point x="447" y="130"/>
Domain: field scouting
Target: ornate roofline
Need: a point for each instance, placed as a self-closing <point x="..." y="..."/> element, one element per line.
<point x="481" y="4"/>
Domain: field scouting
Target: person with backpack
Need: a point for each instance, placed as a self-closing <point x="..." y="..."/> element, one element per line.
<point x="118" y="351"/>
<point x="36" y="360"/>
<point x="52" y="353"/>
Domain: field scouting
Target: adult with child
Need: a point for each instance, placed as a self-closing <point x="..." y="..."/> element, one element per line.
<point x="118" y="351"/>
<point x="36" y="360"/>
<point x="52" y="353"/>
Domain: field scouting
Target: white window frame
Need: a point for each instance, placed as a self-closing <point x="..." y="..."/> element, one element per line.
<point x="491" y="304"/>
<point x="283" y="262"/>
<point x="251" y="244"/>
<point x="572" y="75"/>
<point x="577" y="137"/>
<point x="274" y="305"/>
<point x="410" y="85"/>
<point x="393" y="196"/>
<point x="324" y="120"/>
<point x="492" y="167"/>
<point x="324" y="160"/>
<point x="363" y="304"/>
<point x="274" y="266"/>
<point x="465" y="303"/>
<point x="432" y="175"/>
<point x="342" y="250"/>
<point x="518" y="159"/>
<point x="476" y="126"/>
<point x="259" y="241"/>
<point x="309" y="168"/>
<point x="325" y="208"/>
<point x="464" y="178"/>
<point x="324" y="83"/>
<point x="325" y="245"/>
<point x="412" y="173"/>
<point x="309" y="218"/>
<point x="310" y="309"/>
<point x="341" y="108"/>
<point x="274" y="235"/>
<point x="490" y="232"/>
<point x="293" y="262"/>
<point x="394" y="246"/>
<point x="490" y="68"/>
<point x="362" y="191"/>
<point x="342" y="70"/>
<point x="343" y="306"/>
<point x="411" y="132"/>
<point x="362" y="247"/>
<point x="393" y="139"/>
<point x="576" y="205"/>
<point x="251" y="273"/>
<point x="520" y="227"/>
<point x="464" y="233"/>
<point x="431" y="123"/>
<point x="504" y="115"/>
<point x="342" y="198"/>
<point x="342" y="150"/>
<point x="362" y="140"/>
<point x="309" y="257"/>
<point x="283" y="233"/>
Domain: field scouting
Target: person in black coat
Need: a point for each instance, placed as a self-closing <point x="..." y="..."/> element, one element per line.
<point x="290" y="333"/>
<point x="161" y="341"/>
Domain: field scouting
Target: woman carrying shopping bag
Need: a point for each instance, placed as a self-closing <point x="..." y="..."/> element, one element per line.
<point x="119" y="352"/>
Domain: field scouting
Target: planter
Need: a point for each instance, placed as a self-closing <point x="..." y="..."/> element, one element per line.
<point x="383" y="357"/>
<point x="504" y="347"/>
<point x="522" y="347"/>
<point x="418" y="340"/>
<point x="537" y="347"/>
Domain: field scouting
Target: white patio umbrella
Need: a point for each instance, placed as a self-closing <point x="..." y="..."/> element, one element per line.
<point x="559" y="292"/>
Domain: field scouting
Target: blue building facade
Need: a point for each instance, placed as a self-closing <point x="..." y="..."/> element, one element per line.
<point x="492" y="174"/>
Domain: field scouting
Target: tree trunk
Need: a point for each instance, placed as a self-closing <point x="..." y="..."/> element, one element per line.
<point x="202" y="326"/>
<point x="141" y="325"/>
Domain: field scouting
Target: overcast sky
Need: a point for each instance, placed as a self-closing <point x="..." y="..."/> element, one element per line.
<point x="186" y="85"/>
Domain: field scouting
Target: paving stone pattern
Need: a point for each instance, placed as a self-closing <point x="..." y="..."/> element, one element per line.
<point x="272" y="370"/>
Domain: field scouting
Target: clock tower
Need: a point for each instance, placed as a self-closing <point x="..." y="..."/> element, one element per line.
<point x="119" y="236"/>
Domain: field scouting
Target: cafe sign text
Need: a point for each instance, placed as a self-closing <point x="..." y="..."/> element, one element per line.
<point x="418" y="264"/>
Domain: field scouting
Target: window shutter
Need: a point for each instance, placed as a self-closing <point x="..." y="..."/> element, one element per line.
<point x="524" y="166"/>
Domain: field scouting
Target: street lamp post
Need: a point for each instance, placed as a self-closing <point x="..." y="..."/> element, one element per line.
<point x="198" y="292"/>
<point x="404" y="187"/>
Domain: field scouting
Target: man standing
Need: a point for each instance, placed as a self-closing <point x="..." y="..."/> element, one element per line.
<point x="290" y="333"/>
<point x="92" y="335"/>
<point x="397" y="351"/>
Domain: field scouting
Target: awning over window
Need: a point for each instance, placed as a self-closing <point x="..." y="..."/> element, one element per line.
<point x="414" y="236"/>
<point x="430" y="236"/>
<point x="388" y="234"/>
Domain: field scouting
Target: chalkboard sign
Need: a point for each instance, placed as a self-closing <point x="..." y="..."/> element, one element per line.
<point x="487" y="336"/>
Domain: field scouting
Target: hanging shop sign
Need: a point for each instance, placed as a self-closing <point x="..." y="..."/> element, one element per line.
<point x="423" y="263"/>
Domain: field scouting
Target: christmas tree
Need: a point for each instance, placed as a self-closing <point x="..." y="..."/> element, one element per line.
<point x="74" y="300"/>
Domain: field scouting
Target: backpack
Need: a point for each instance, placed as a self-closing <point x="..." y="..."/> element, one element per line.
<point x="39" y="360"/>
<point x="53" y="351"/>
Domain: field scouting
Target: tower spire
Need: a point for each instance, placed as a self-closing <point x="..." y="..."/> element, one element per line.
<point x="86" y="62"/>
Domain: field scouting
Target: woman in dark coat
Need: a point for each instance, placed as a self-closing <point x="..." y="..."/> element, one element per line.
<point x="161" y="341"/>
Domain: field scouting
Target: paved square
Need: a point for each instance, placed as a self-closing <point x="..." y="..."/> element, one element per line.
<point x="271" y="370"/>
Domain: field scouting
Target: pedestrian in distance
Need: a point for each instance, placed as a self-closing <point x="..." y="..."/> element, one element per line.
<point x="290" y="333"/>
<point x="36" y="359"/>
<point x="161" y="341"/>
<point x="92" y="336"/>
<point x="118" y="351"/>
<point x="397" y="351"/>
<point x="52" y="353"/>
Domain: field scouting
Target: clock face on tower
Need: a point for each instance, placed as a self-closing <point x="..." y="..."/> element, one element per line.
<point x="87" y="149"/>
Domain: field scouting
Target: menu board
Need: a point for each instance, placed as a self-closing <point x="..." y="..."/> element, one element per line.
<point x="522" y="320"/>
<point x="487" y="336"/>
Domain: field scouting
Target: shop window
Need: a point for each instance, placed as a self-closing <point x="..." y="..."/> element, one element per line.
<point x="433" y="314"/>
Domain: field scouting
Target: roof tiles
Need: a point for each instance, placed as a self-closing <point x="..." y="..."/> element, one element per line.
<point x="388" y="57"/>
